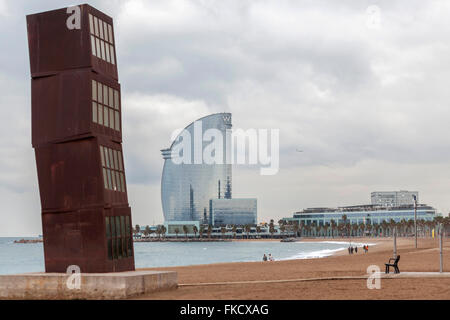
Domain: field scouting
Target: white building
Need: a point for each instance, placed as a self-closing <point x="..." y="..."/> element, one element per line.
<point x="394" y="198"/>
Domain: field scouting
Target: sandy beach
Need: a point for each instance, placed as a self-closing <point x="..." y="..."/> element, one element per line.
<point x="423" y="259"/>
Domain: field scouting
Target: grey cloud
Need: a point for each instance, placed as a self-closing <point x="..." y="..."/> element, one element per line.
<point x="368" y="107"/>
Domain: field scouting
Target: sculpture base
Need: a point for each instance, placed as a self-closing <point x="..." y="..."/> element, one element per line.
<point x="116" y="285"/>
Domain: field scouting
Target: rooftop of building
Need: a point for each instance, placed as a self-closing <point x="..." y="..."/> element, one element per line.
<point x="364" y="207"/>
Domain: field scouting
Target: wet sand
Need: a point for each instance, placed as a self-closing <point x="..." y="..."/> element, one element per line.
<point x="425" y="259"/>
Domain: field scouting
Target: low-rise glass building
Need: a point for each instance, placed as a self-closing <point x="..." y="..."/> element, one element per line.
<point x="173" y="227"/>
<point x="367" y="214"/>
<point x="241" y="211"/>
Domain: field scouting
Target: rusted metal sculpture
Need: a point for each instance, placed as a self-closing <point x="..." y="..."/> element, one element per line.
<point x="77" y="138"/>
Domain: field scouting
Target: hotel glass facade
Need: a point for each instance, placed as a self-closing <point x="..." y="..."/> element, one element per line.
<point x="187" y="188"/>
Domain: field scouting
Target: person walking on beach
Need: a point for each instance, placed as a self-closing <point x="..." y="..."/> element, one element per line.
<point x="270" y="257"/>
<point x="348" y="250"/>
<point x="264" y="257"/>
<point x="356" y="249"/>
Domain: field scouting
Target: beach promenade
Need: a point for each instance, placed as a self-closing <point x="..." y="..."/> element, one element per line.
<point x="341" y="276"/>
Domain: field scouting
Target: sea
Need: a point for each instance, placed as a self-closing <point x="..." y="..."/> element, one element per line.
<point x="29" y="257"/>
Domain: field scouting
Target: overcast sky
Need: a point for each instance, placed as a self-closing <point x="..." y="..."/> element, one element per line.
<point x="367" y="102"/>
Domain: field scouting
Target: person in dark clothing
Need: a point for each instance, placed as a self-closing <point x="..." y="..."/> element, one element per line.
<point x="356" y="249"/>
<point x="264" y="257"/>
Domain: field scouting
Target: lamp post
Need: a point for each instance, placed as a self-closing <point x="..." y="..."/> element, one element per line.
<point x="395" y="242"/>
<point x="415" y="220"/>
<point x="441" y="259"/>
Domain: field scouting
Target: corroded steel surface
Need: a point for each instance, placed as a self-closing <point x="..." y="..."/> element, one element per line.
<point x="54" y="48"/>
<point x="86" y="218"/>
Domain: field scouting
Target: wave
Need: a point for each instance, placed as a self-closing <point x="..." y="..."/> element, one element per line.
<point x="325" y="252"/>
<point x="347" y="243"/>
<point x="313" y="254"/>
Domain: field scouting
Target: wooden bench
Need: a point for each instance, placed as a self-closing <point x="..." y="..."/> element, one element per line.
<point x="395" y="264"/>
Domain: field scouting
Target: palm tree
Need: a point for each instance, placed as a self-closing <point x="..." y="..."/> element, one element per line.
<point x="326" y="226"/>
<point x="355" y="229"/>
<point x="437" y="222"/>
<point x="375" y="228"/>
<point x="234" y="229"/>
<point x="410" y="225"/>
<point x="433" y="225"/>
<point x="271" y="228"/>
<point x="344" y="220"/>
<point x="158" y="232"/>
<point x="419" y="227"/>
<point x="308" y="230"/>
<point x="362" y="228"/>
<point x="368" y="227"/>
<point x="313" y="228"/>
<point x="209" y="231"/>
<point x="185" y="230"/>
<point x="446" y="223"/>
<point x="333" y="227"/>
<point x="281" y="222"/>
<point x="384" y="225"/>
<point x="341" y="228"/>
<point x="258" y="230"/>
<point x="296" y="228"/>
<point x="195" y="230"/>
<point x="177" y="231"/>
<point x="282" y="229"/>
<point x="318" y="228"/>
<point x="163" y="231"/>
<point x="420" y="224"/>
<point x="223" y="230"/>
<point x="392" y="225"/>
<point x="247" y="230"/>
<point x="202" y="230"/>
<point x="146" y="231"/>
<point x="428" y="226"/>
<point x="403" y="225"/>
<point x="348" y="229"/>
<point x="301" y="226"/>
<point x="137" y="229"/>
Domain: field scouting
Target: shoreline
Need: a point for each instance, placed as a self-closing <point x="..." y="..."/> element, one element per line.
<point x="335" y="252"/>
<point x="240" y="275"/>
<point x="309" y="255"/>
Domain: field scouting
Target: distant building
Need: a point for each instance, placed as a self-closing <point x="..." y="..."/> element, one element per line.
<point x="394" y="198"/>
<point x="233" y="212"/>
<point x="367" y="214"/>
<point x="188" y="188"/>
<point x="395" y="205"/>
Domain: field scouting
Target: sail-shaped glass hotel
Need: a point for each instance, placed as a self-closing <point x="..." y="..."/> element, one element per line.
<point x="187" y="188"/>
